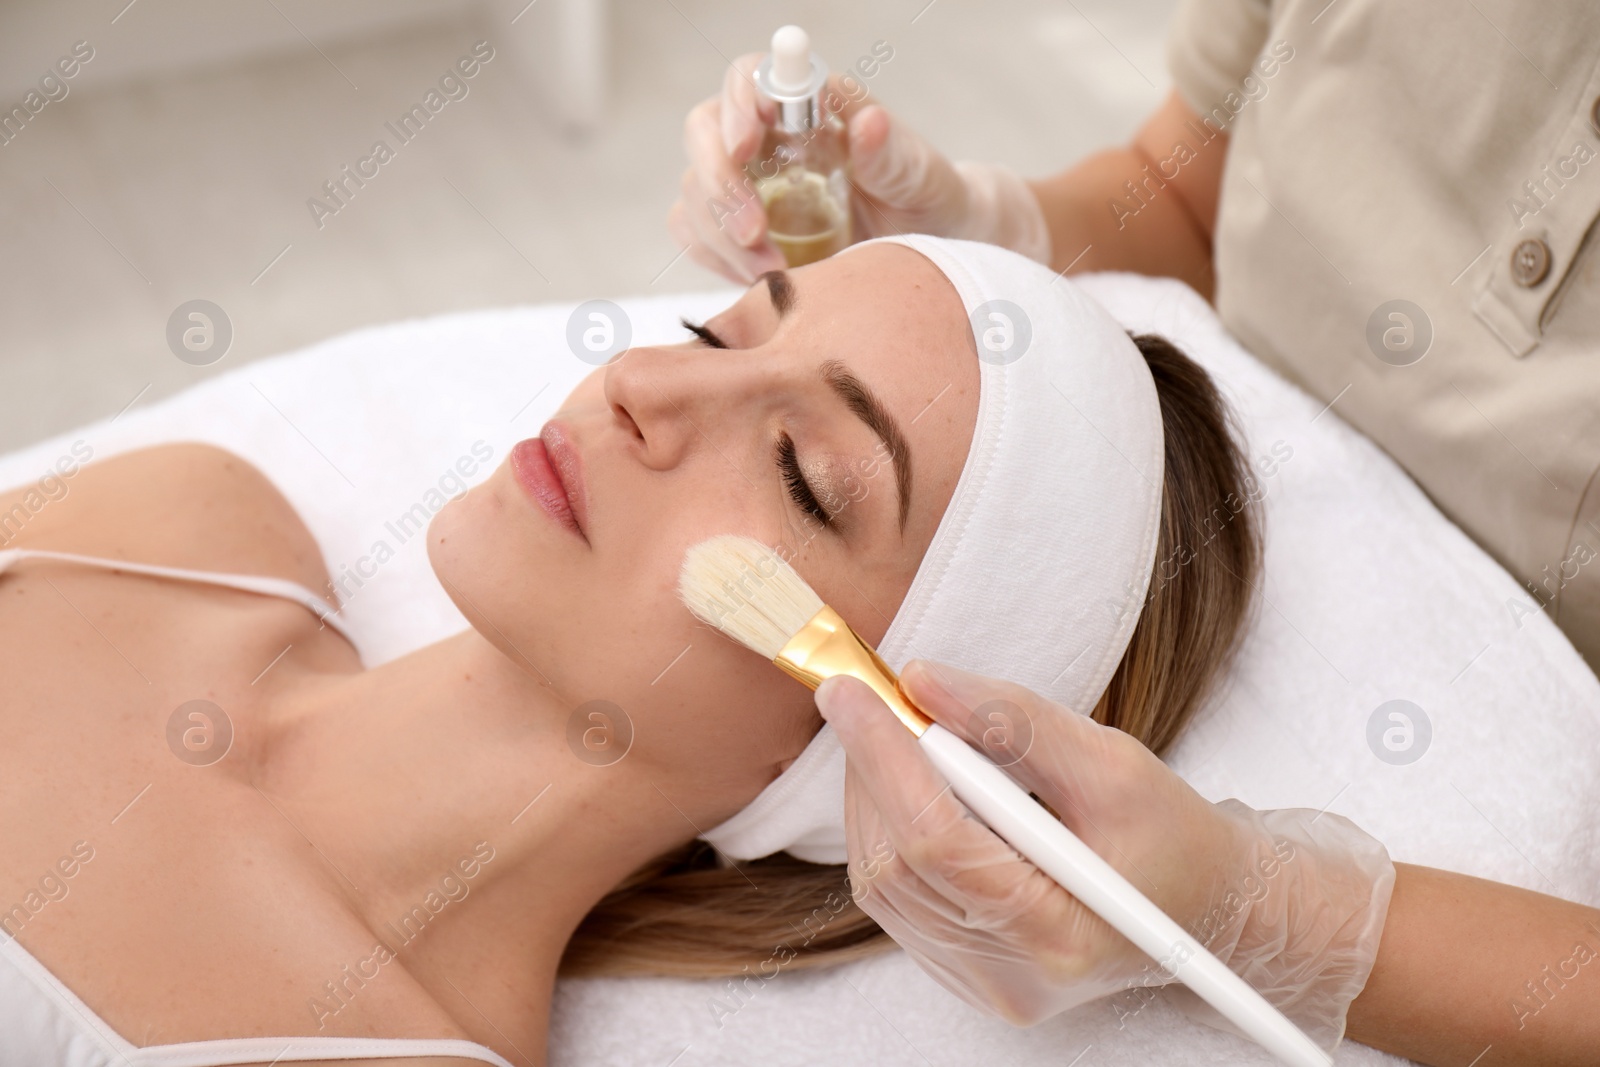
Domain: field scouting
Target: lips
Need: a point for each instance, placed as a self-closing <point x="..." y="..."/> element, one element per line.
<point x="548" y="468"/>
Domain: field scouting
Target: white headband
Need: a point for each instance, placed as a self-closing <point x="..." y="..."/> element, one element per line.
<point x="1038" y="570"/>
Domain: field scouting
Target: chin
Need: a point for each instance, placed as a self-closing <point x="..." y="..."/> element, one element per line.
<point x="475" y="539"/>
<point x="500" y="559"/>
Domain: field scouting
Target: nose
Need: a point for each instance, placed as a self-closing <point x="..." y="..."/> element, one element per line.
<point x="677" y="400"/>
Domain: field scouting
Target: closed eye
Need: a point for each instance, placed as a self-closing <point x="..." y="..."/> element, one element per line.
<point x="799" y="489"/>
<point x="703" y="333"/>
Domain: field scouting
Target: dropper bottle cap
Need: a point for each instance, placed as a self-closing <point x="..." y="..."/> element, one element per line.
<point x="791" y="60"/>
<point x="794" y="77"/>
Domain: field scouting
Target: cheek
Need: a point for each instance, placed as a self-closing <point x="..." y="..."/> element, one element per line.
<point x="697" y="699"/>
<point x="728" y="715"/>
<point x="607" y="624"/>
<point x="872" y="597"/>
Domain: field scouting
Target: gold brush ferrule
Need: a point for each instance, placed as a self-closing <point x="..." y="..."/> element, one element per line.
<point x="826" y="646"/>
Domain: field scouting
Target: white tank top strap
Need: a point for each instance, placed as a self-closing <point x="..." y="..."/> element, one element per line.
<point x="292" y="1049"/>
<point x="44" y="1022"/>
<point x="250" y="583"/>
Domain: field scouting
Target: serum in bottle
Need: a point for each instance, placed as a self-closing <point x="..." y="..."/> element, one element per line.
<point x="799" y="173"/>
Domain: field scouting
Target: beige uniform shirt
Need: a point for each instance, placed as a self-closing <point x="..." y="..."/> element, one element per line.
<point x="1407" y="230"/>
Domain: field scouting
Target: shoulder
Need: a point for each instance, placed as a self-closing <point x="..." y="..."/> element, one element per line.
<point x="184" y="504"/>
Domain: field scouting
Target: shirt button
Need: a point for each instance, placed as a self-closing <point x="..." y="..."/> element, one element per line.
<point x="1530" y="262"/>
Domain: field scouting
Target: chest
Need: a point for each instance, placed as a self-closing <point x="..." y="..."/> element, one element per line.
<point x="113" y="680"/>
<point x="137" y="860"/>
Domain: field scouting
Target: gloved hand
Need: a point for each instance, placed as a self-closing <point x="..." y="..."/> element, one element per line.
<point x="1293" y="901"/>
<point x="900" y="183"/>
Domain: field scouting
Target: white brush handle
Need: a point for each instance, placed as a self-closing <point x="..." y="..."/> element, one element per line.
<point x="1010" y="812"/>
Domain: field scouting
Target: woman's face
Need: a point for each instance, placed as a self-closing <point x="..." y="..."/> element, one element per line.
<point x="835" y="424"/>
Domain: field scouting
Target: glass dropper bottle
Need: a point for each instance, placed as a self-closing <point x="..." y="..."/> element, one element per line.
<point x="799" y="172"/>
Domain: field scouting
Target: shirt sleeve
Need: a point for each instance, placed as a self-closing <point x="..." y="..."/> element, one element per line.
<point x="1211" y="45"/>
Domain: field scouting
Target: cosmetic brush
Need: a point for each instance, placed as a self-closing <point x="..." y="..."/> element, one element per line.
<point x="744" y="589"/>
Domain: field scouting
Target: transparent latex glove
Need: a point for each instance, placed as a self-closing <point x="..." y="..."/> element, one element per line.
<point x="900" y="184"/>
<point x="1291" y="900"/>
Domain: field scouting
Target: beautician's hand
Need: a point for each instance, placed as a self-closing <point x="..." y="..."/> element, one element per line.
<point x="901" y="184"/>
<point x="1294" y="901"/>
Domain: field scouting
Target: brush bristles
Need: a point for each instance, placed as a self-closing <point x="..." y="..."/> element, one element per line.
<point x="747" y="591"/>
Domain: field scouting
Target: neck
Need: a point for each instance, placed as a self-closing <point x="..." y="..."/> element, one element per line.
<point x="442" y="794"/>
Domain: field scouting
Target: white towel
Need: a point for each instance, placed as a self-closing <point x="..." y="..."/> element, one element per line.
<point x="1370" y="595"/>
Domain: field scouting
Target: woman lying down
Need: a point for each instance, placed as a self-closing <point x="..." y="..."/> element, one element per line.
<point x="231" y="843"/>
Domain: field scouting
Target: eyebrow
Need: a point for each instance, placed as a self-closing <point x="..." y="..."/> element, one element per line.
<point x="779" y="290"/>
<point x="870" y="410"/>
<point x="863" y="402"/>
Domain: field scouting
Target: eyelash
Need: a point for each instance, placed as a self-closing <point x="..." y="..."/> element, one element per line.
<point x="788" y="459"/>
<point x="799" y="489"/>
<point x="704" y="334"/>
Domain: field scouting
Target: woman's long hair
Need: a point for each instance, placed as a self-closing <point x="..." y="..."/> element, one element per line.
<point x="686" y="914"/>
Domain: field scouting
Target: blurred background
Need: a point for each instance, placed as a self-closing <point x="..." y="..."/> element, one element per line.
<point x="179" y="160"/>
